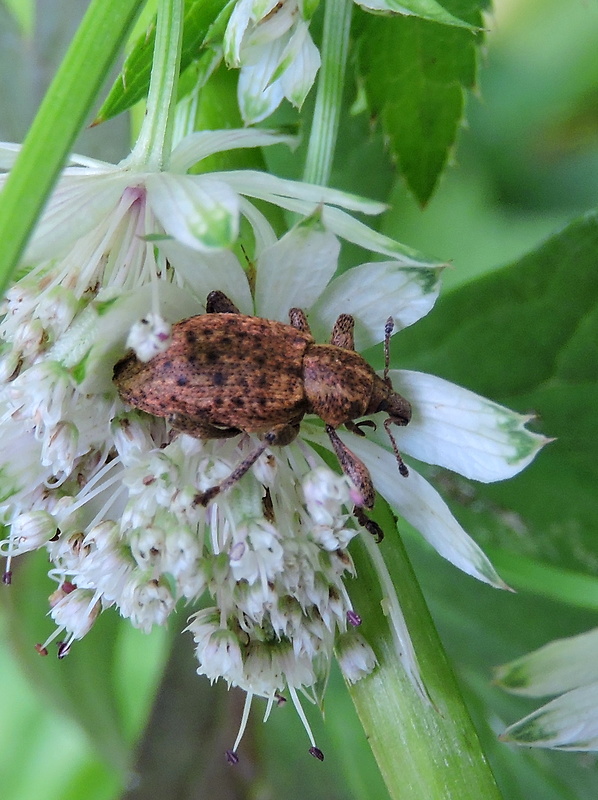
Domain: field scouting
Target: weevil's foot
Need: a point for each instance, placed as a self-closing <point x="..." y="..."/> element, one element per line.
<point x="203" y="498"/>
<point x="357" y="427"/>
<point x="369" y="524"/>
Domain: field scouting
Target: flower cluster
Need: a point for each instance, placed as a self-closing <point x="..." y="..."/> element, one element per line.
<point x="111" y="494"/>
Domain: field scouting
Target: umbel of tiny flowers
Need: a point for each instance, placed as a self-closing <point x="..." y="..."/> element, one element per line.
<point x="566" y="669"/>
<point x="111" y="494"/>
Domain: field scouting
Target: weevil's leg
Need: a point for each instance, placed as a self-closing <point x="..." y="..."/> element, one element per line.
<point x="356" y="427"/>
<point x="342" y="333"/>
<point x="353" y="468"/>
<point x="219" y="303"/>
<point x="369" y="524"/>
<point x="279" y="435"/>
<point x="299" y="320"/>
<point x="200" y="429"/>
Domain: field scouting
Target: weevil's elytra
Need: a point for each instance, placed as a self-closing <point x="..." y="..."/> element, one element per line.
<point x="253" y="366"/>
<point x="225" y="373"/>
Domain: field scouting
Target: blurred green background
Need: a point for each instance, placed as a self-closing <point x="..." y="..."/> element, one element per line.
<point x="526" y="164"/>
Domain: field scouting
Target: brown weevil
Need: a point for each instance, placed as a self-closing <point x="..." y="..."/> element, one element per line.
<point x="225" y="373"/>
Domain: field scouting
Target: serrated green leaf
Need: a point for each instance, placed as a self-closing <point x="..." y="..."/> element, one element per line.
<point x="415" y="74"/>
<point x="133" y="82"/>
<point x="424" y="9"/>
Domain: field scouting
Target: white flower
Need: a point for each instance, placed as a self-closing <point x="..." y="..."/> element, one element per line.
<point x="355" y="656"/>
<point x="271" y="43"/>
<point x="121" y="489"/>
<point x="567" y="668"/>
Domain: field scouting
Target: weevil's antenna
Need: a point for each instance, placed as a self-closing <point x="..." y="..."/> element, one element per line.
<point x="388" y="329"/>
<point x="401" y="464"/>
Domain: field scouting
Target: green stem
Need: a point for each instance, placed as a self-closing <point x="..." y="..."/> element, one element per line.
<point x="154" y="144"/>
<point x="324" y="129"/>
<point x="425" y="749"/>
<point x="60" y="118"/>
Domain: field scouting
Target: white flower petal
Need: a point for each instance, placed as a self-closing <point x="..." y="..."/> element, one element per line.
<point x="569" y="722"/>
<point x="258" y="96"/>
<point x="282" y="191"/>
<point x="8" y="154"/>
<point x="261" y="8"/>
<point x="197" y="210"/>
<point x="235" y="31"/>
<point x="293" y="272"/>
<point x="304" y="198"/>
<point x="201" y="144"/>
<point x="298" y="66"/>
<point x="559" y="666"/>
<point x="265" y="235"/>
<point x="462" y="431"/>
<point x="372" y="293"/>
<point x="274" y="20"/>
<point x="347" y="227"/>
<point x="421" y="505"/>
<point x="206" y="272"/>
<point x="77" y="205"/>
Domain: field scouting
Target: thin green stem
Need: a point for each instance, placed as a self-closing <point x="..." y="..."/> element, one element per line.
<point x="324" y="129"/>
<point x="424" y="748"/>
<point x="59" y="119"/>
<point x="154" y="144"/>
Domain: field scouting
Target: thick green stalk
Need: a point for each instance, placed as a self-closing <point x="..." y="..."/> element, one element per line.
<point x="155" y="138"/>
<point x="331" y="79"/>
<point x="426" y="750"/>
<point x="59" y="119"/>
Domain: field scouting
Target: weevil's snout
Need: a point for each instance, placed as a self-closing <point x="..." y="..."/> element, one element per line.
<point x="398" y="409"/>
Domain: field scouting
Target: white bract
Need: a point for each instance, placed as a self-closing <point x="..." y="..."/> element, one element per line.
<point x="567" y="668"/>
<point x="112" y="494"/>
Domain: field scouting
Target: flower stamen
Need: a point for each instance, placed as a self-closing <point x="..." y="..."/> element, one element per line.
<point x="314" y="750"/>
<point x="231" y="754"/>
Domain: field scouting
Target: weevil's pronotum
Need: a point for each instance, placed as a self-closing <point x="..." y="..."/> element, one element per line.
<point x="225" y="373"/>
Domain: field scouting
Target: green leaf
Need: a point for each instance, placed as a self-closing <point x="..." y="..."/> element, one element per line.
<point x="424" y="9"/>
<point x="415" y="74"/>
<point x="526" y="336"/>
<point x="133" y="82"/>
